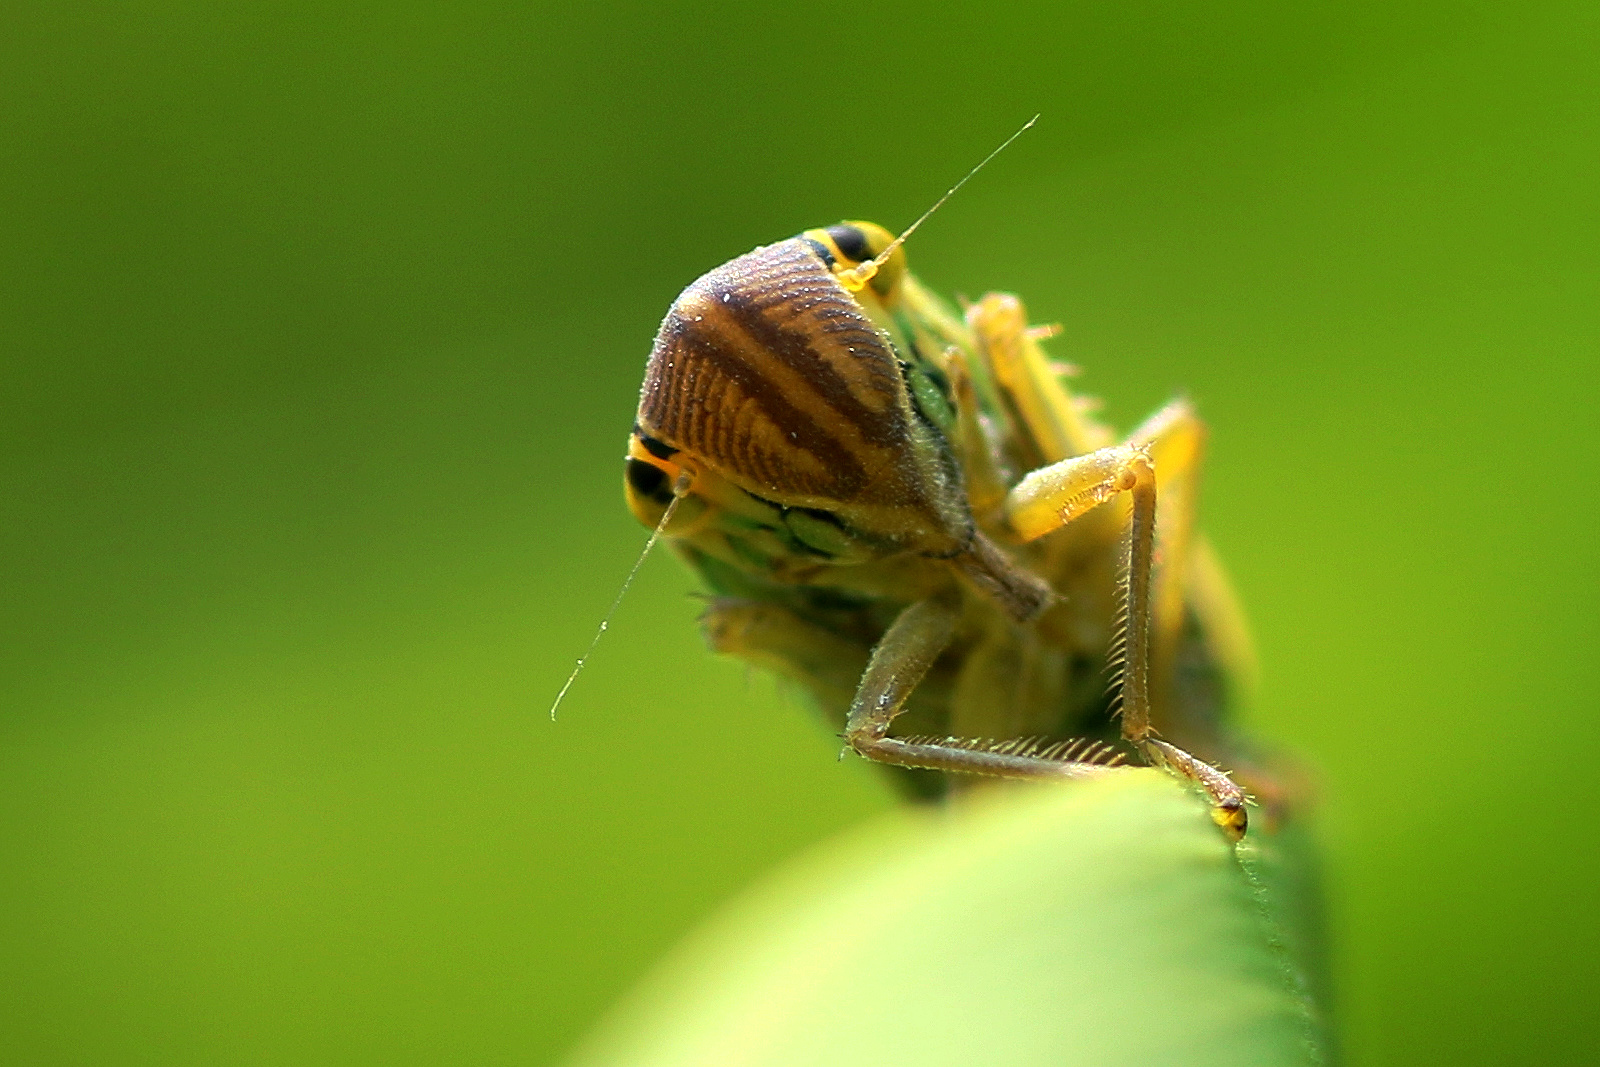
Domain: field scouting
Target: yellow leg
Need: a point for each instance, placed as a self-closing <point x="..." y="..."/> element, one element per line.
<point x="1054" y="496"/>
<point x="1047" y="413"/>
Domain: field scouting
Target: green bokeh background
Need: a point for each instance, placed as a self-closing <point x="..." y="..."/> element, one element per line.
<point x="321" y="327"/>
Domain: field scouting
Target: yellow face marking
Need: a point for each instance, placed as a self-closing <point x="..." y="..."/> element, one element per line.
<point x="649" y="484"/>
<point x="854" y="245"/>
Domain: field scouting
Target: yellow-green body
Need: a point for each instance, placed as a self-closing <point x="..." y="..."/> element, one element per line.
<point x="829" y="482"/>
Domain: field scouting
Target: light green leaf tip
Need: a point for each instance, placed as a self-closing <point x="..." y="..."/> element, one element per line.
<point x="1102" y="923"/>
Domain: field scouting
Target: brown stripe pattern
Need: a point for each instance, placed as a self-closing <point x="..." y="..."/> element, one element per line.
<point x="767" y="370"/>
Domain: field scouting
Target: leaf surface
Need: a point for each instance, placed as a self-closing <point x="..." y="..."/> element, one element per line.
<point x="1103" y="923"/>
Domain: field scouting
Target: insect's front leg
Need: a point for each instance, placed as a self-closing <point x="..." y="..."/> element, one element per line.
<point x="1053" y="496"/>
<point x="901" y="660"/>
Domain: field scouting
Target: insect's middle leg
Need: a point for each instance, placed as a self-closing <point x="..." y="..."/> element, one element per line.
<point x="901" y="660"/>
<point x="1054" y="496"/>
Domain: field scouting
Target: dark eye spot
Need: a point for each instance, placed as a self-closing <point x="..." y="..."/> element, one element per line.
<point x="851" y="241"/>
<point x="649" y="481"/>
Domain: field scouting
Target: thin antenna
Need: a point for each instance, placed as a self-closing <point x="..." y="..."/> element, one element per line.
<point x="857" y="276"/>
<point x="678" y="492"/>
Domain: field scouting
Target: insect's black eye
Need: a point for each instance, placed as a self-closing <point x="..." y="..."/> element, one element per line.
<point x="850" y="241"/>
<point x="648" y="480"/>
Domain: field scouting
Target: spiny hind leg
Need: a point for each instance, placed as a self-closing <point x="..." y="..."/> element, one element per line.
<point x="900" y="661"/>
<point x="1054" y="496"/>
<point x="1189" y="581"/>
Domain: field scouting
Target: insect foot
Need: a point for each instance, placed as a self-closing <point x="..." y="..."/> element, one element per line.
<point x="1227" y="799"/>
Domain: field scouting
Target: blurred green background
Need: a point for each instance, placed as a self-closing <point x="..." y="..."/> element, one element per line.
<point x="321" y="327"/>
